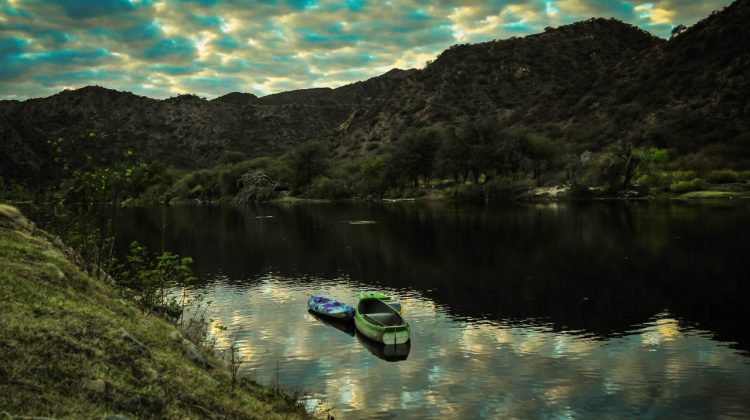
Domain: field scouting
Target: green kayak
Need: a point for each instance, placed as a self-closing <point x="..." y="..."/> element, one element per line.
<point x="380" y="322"/>
<point x="390" y="301"/>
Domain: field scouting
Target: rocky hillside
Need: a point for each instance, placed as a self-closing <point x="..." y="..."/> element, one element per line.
<point x="519" y="76"/>
<point x="589" y="84"/>
<point x="185" y="131"/>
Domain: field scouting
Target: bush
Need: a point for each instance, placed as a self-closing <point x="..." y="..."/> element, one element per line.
<point x="504" y="189"/>
<point x="328" y="189"/>
<point x="694" y="184"/>
<point x="722" y="176"/>
<point x="682" y="176"/>
<point x="660" y="181"/>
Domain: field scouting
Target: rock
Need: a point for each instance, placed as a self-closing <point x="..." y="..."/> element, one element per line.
<point x="148" y="324"/>
<point x="194" y="354"/>
<point x="113" y="417"/>
<point x="137" y="345"/>
<point x="175" y="336"/>
<point x="97" y="386"/>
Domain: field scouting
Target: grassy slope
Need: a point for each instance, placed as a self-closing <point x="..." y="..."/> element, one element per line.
<point x="62" y="351"/>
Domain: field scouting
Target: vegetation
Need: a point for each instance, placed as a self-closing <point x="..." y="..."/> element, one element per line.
<point x="577" y="104"/>
<point x="68" y="330"/>
<point x="72" y="347"/>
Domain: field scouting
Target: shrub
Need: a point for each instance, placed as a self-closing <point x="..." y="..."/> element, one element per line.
<point x="682" y="175"/>
<point x="722" y="176"/>
<point x="694" y="184"/>
<point x="327" y="188"/>
<point x="504" y="189"/>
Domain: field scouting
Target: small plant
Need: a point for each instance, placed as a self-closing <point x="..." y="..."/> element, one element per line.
<point x="152" y="278"/>
<point x="235" y="360"/>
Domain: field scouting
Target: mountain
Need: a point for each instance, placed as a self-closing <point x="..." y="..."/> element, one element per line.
<point x="587" y="84"/>
<point x="185" y="131"/>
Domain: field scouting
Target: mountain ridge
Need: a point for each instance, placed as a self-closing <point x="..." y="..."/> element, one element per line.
<point x="589" y="84"/>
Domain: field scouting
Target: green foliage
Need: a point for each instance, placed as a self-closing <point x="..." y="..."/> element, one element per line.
<point x="651" y="161"/>
<point x="722" y="176"/>
<point x="88" y="199"/>
<point x="694" y="184"/>
<point x="541" y="153"/>
<point x="453" y="157"/>
<point x="414" y="154"/>
<point x="303" y="164"/>
<point x="328" y="189"/>
<point x="376" y="176"/>
<point x="152" y="278"/>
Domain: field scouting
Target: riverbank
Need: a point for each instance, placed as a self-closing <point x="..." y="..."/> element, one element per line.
<point x="70" y="346"/>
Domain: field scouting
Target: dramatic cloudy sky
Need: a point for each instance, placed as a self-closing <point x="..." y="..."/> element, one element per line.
<point x="211" y="47"/>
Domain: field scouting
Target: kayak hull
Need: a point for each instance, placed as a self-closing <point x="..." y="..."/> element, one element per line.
<point x="330" y="307"/>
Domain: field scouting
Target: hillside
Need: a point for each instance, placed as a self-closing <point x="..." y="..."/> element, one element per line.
<point x="71" y="347"/>
<point x="185" y="131"/>
<point x="587" y="85"/>
<point x="522" y="77"/>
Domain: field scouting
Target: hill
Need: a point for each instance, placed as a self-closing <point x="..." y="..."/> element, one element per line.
<point x="71" y="347"/>
<point x="185" y="131"/>
<point x="587" y="85"/>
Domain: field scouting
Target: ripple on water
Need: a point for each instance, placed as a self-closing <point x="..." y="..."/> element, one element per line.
<point x="471" y="368"/>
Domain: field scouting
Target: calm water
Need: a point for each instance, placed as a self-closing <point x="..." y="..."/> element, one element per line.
<point x="554" y="311"/>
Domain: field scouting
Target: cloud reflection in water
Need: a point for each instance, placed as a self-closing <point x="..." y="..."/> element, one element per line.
<point x="466" y="368"/>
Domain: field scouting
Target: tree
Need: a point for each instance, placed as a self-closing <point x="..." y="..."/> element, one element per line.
<point x="305" y="163"/>
<point x="480" y="136"/>
<point x="377" y="175"/>
<point x="414" y="153"/>
<point x="88" y="199"/>
<point x="540" y="151"/>
<point x="453" y="156"/>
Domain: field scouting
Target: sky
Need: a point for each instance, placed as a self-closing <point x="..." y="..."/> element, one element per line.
<point x="212" y="47"/>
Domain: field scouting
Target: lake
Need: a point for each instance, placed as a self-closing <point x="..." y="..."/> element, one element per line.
<point x="550" y="310"/>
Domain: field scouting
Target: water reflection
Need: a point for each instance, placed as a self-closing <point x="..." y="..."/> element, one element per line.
<point x="539" y="311"/>
<point x="345" y="326"/>
<point x="387" y="352"/>
<point x="470" y="369"/>
<point x="595" y="267"/>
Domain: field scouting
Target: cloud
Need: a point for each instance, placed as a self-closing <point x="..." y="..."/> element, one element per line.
<point x="164" y="47"/>
<point x="84" y="9"/>
<point x="180" y="48"/>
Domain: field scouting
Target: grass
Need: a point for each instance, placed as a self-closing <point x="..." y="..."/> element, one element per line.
<point x="63" y="352"/>
<point x="708" y="194"/>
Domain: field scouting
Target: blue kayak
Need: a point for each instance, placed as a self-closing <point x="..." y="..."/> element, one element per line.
<point x="330" y="307"/>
